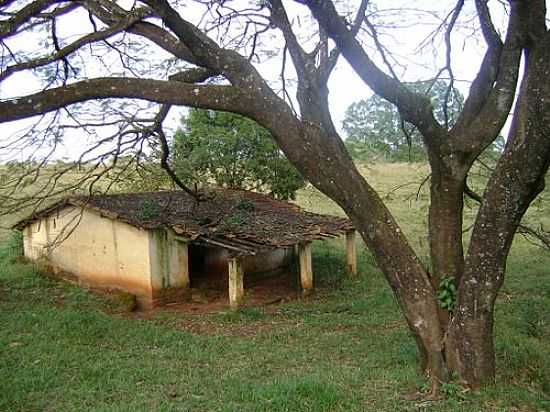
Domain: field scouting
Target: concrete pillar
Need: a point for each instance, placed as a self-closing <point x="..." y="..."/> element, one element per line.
<point x="306" y="271"/>
<point x="169" y="268"/>
<point x="236" y="288"/>
<point x="351" y="252"/>
<point x="179" y="263"/>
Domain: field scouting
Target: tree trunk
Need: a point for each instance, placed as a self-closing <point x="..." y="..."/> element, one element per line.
<point x="397" y="260"/>
<point x="445" y="227"/>
<point x="445" y="230"/>
<point x="509" y="193"/>
<point x="328" y="166"/>
<point x="469" y="343"/>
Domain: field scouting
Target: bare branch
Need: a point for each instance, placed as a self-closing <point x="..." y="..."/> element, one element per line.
<point x="33" y="9"/>
<point x="448" y="31"/>
<point x="297" y="53"/>
<point x="492" y="91"/>
<point x="380" y="48"/>
<point x="62" y="53"/>
<point x="334" y="54"/>
<point x="414" y="108"/>
<point x="168" y="92"/>
<point x="490" y="34"/>
<point x="540" y="235"/>
<point x="158" y="130"/>
<point x="196" y="75"/>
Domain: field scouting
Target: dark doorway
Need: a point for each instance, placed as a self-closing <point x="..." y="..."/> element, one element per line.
<point x="207" y="267"/>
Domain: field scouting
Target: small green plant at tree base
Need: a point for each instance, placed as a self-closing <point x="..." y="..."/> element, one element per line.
<point x="149" y="210"/>
<point x="453" y="390"/>
<point x="447" y="294"/>
<point x="449" y="390"/>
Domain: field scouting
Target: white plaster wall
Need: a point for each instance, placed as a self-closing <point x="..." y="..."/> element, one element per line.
<point x="267" y="261"/>
<point x="98" y="251"/>
<point x="216" y="261"/>
<point x="169" y="266"/>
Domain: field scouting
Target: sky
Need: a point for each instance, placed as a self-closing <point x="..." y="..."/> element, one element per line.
<point x="406" y="33"/>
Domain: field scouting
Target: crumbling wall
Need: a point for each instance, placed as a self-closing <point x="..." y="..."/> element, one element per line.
<point x="97" y="251"/>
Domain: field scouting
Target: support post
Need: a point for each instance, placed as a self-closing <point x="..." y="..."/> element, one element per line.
<point x="306" y="272"/>
<point x="179" y="262"/>
<point x="236" y="288"/>
<point x="169" y="268"/>
<point x="351" y="253"/>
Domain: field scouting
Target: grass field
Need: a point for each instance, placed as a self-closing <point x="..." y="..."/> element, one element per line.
<point x="345" y="349"/>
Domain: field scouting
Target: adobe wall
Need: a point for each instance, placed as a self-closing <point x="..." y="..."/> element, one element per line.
<point x="100" y="252"/>
<point x="97" y="251"/>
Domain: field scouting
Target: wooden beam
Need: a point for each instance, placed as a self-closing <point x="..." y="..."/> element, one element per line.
<point x="236" y="288"/>
<point x="247" y="251"/>
<point x="306" y="271"/>
<point x="180" y="238"/>
<point x="351" y="253"/>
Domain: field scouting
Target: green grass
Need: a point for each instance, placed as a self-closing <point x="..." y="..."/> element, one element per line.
<point x="344" y="349"/>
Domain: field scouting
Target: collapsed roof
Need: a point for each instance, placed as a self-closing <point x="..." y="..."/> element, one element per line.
<point x="241" y="221"/>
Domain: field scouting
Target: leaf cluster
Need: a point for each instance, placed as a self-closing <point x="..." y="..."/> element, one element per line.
<point x="375" y="130"/>
<point x="149" y="210"/>
<point x="234" y="152"/>
<point x="446" y="294"/>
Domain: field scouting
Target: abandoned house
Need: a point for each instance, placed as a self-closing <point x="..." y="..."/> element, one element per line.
<point x="157" y="245"/>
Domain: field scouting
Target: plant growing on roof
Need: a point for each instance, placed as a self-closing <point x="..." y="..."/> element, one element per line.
<point x="149" y="209"/>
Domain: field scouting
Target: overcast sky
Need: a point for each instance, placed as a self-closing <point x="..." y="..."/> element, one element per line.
<point x="345" y="86"/>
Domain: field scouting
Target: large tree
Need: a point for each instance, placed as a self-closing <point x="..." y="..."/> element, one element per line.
<point x="375" y="129"/>
<point x="232" y="151"/>
<point x="80" y="68"/>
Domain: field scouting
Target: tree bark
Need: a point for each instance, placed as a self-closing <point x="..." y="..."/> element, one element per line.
<point x="445" y="231"/>
<point x="451" y="153"/>
<point x="445" y="227"/>
<point x="509" y="192"/>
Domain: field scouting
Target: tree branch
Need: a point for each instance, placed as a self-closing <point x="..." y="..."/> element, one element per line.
<point x="298" y="55"/>
<point x="490" y="34"/>
<point x="492" y="92"/>
<point x="214" y="97"/>
<point x="448" y="31"/>
<point x="326" y="69"/>
<point x="540" y="235"/>
<point x="194" y="75"/>
<point x="414" y="108"/>
<point x="10" y="27"/>
<point x="202" y="48"/>
<point x="62" y="53"/>
<point x="158" y="130"/>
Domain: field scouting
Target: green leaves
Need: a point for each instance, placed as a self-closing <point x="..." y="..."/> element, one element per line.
<point x="149" y="210"/>
<point x="374" y="128"/>
<point x="234" y="152"/>
<point x="446" y="295"/>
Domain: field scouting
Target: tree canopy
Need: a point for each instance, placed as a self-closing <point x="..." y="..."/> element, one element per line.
<point x="375" y="129"/>
<point x="234" y="152"/>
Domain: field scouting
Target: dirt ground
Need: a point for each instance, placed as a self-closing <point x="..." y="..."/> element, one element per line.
<point x="268" y="289"/>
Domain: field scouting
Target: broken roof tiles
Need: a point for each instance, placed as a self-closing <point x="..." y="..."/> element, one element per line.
<point x="241" y="221"/>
